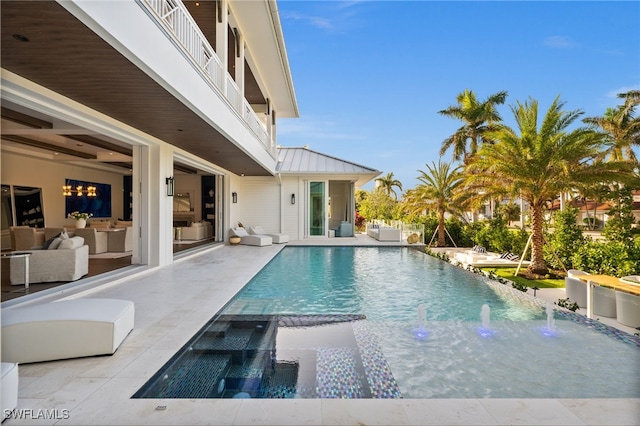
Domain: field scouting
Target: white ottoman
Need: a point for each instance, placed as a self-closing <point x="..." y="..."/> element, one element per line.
<point x="65" y="329"/>
<point x="9" y="391"/>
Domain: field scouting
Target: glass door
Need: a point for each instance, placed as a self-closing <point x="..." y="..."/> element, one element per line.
<point x="317" y="209"/>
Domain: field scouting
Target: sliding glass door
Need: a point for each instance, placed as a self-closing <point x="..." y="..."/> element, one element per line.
<point x="317" y="209"/>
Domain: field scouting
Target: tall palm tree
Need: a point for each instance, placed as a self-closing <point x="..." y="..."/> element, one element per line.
<point x="437" y="191"/>
<point x="387" y="183"/>
<point x="621" y="127"/>
<point x="478" y="117"/>
<point x="540" y="162"/>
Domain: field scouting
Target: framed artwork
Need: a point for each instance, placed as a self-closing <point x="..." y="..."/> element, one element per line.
<point x="98" y="205"/>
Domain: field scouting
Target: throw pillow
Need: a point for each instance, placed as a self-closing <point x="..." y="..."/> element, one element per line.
<point x="55" y="243"/>
<point x="71" y="243"/>
<point x="52" y="243"/>
<point x="63" y="235"/>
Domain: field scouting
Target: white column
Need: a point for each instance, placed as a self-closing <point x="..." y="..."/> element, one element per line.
<point x="239" y="58"/>
<point x="222" y="37"/>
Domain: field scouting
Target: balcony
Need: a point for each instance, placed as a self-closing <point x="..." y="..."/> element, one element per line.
<point x="179" y="25"/>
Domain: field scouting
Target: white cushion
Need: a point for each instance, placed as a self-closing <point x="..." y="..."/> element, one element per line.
<point x="197" y="224"/>
<point x="9" y="390"/>
<point x="257" y="230"/>
<point x="240" y="232"/>
<point x="55" y="243"/>
<point x="65" y="329"/>
<point x="71" y="243"/>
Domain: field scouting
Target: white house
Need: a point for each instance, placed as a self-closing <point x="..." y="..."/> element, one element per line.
<point x="170" y="110"/>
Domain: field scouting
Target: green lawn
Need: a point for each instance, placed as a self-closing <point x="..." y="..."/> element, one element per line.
<point x="508" y="274"/>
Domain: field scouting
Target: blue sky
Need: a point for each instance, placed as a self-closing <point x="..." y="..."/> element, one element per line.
<point x="371" y="76"/>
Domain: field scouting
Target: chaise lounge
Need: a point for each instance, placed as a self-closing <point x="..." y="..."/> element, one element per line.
<point x="251" y="240"/>
<point x="65" y="329"/>
<point x="276" y="238"/>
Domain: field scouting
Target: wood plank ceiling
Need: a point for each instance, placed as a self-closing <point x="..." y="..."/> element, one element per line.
<point x="65" y="56"/>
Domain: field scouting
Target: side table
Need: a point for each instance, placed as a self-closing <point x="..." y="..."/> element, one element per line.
<point x="24" y="255"/>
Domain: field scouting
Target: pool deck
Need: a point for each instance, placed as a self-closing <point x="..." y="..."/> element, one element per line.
<point x="174" y="302"/>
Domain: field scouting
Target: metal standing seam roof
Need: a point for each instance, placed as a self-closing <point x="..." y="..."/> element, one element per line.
<point x="304" y="160"/>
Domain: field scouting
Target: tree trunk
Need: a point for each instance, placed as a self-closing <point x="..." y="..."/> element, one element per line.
<point x="537" y="266"/>
<point x="441" y="241"/>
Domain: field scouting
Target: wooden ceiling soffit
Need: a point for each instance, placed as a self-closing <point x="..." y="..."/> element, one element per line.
<point x="43" y="145"/>
<point x="90" y="140"/>
<point x="24" y="119"/>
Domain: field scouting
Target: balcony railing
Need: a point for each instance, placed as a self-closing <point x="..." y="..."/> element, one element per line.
<point x="175" y="18"/>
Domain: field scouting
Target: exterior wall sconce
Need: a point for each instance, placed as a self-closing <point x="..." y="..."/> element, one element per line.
<point x="170" y="186"/>
<point x="293" y="198"/>
<point x="234" y="197"/>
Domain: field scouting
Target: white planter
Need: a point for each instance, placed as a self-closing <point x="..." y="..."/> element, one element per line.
<point x="81" y="223"/>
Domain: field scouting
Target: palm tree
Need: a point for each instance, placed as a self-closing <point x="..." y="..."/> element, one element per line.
<point x="387" y="183"/>
<point x="437" y="191"/>
<point x="540" y="162"/>
<point x="620" y="127"/>
<point x="479" y="118"/>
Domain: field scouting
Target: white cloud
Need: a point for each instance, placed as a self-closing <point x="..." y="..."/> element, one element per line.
<point x="624" y="89"/>
<point x="559" y="42"/>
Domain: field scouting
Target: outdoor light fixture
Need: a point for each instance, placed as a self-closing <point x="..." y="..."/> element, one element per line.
<point x="293" y="198"/>
<point x="170" y="181"/>
<point x="234" y="197"/>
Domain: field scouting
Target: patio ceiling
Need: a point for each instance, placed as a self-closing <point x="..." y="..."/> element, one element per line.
<point x="44" y="43"/>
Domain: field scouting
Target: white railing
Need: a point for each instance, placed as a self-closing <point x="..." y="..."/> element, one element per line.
<point x="258" y="128"/>
<point x="175" y="18"/>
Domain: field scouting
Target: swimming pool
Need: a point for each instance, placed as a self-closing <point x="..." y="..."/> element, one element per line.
<point x="356" y="322"/>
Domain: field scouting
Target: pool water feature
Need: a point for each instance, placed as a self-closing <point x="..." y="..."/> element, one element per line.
<point x="340" y="322"/>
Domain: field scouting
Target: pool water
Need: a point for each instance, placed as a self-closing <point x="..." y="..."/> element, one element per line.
<point x="356" y="322"/>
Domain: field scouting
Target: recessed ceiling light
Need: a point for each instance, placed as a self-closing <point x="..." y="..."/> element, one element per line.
<point x="21" y="37"/>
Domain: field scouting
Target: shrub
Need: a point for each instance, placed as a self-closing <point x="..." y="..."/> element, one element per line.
<point x="608" y="257"/>
<point x="565" y="240"/>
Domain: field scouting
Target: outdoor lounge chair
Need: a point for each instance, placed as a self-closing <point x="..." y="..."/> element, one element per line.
<point x="277" y="238"/>
<point x="251" y="240"/>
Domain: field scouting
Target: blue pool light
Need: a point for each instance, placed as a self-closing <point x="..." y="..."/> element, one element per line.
<point x="485" y="332"/>
<point x="420" y="333"/>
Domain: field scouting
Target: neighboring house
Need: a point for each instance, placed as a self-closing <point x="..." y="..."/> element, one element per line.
<point x="142" y="99"/>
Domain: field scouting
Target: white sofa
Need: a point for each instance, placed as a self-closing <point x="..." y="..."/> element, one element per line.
<point x="384" y="233"/>
<point x="65" y="329"/>
<point x="60" y="264"/>
<point x="9" y="391"/>
<point x="197" y="231"/>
